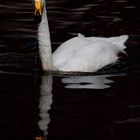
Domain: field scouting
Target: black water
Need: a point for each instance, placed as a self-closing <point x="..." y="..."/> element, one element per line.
<point x="102" y="106"/>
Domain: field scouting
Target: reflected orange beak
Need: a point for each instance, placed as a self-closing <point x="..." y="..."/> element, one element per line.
<point x="39" y="138"/>
<point x="38" y="7"/>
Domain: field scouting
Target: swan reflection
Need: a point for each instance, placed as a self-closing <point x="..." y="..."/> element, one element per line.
<point x="88" y="82"/>
<point x="45" y="102"/>
<point x="79" y="82"/>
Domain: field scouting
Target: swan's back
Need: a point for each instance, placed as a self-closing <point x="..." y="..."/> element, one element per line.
<point x="119" y="40"/>
<point x="88" y="54"/>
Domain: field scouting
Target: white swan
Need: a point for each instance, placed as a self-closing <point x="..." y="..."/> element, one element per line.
<point x="79" y="54"/>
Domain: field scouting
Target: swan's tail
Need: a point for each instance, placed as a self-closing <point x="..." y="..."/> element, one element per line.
<point x="119" y="41"/>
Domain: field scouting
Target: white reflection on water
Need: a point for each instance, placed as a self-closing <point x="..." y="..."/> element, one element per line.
<point x="45" y="102"/>
<point x="79" y="82"/>
<point x="88" y="82"/>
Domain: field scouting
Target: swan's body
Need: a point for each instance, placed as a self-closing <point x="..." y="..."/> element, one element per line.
<point x="87" y="54"/>
<point x="79" y="54"/>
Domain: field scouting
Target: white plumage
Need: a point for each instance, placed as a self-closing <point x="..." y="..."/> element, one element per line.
<point x="88" y="54"/>
<point x="79" y="54"/>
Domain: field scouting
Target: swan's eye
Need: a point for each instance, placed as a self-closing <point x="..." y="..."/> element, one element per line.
<point x="37" y="18"/>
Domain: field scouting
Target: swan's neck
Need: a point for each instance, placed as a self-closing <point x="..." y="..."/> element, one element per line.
<point x="45" y="50"/>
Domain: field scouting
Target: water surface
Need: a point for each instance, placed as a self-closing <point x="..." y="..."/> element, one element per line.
<point x="101" y="106"/>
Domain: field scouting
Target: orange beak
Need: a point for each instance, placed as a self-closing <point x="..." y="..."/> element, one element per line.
<point x="38" y="7"/>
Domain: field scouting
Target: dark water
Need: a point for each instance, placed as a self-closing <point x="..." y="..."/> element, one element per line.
<point x="105" y="106"/>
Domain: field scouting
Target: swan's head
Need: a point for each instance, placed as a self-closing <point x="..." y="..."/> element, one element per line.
<point x="38" y="8"/>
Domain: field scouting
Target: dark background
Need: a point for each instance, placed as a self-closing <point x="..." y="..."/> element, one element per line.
<point x="110" y="114"/>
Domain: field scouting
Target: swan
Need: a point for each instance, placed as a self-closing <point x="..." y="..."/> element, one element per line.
<point x="78" y="54"/>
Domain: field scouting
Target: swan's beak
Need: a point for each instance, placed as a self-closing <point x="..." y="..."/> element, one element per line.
<point x="38" y="10"/>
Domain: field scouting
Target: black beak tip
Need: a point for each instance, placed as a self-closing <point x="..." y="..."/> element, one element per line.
<point x="37" y="18"/>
